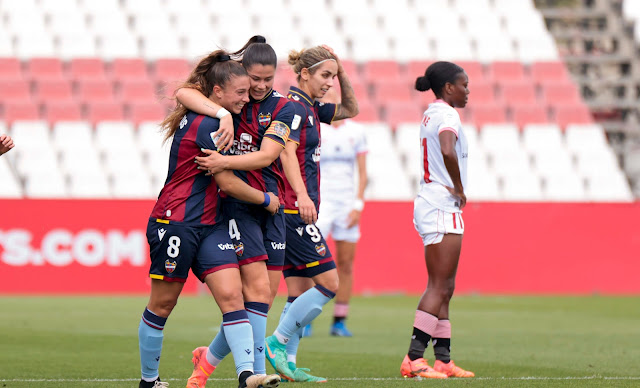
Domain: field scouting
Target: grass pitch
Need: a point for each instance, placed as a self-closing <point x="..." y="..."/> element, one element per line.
<point x="507" y="341"/>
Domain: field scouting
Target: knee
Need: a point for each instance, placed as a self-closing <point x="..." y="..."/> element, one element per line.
<point x="444" y="289"/>
<point x="163" y="307"/>
<point x="257" y="291"/>
<point x="345" y="267"/>
<point x="230" y="299"/>
<point x="332" y="284"/>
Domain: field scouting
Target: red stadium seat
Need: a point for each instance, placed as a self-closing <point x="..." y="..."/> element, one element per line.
<point x="351" y="68"/>
<point x="368" y="112"/>
<point x="543" y="72"/>
<point x="167" y="70"/>
<point x="105" y="111"/>
<point x="417" y="69"/>
<point x="45" y="68"/>
<point x="129" y="69"/>
<point x="481" y="114"/>
<point x="137" y="91"/>
<point x="482" y="91"/>
<point x="49" y="90"/>
<point x="396" y="113"/>
<point x="20" y="111"/>
<point x="87" y="69"/>
<point x="391" y="91"/>
<point x="10" y="68"/>
<point x="55" y="111"/>
<point x="140" y="112"/>
<point x="518" y="93"/>
<point x="572" y="114"/>
<point x="15" y="90"/>
<point x="95" y="90"/>
<point x="474" y="70"/>
<point x="529" y="114"/>
<point x="506" y="71"/>
<point x="373" y="71"/>
<point x="560" y="93"/>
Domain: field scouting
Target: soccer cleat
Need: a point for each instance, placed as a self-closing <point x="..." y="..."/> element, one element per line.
<point x="262" y="381"/>
<point x="307" y="331"/>
<point x="153" y="384"/>
<point x="300" y="375"/>
<point x="451" y="370"/>
<point x="419" y="368"/>
<point x="201" y="368"/>
<point x="277" y="356"/>
<point x="339" y="329"/>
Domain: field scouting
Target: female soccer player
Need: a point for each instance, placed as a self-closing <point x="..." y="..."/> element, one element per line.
<point x="344" y="148"/>
<point x="185" y="229"/>
<point x="262" y="129"/>
<point x="308" y="261"/>
<point x="6" y="143"/>
<point x="437" y="217"/>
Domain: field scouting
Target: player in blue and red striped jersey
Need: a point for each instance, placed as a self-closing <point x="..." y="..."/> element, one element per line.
<point x="310" y="271"/>
<point x="186" y="231"/>
<point x="262" y="129"/>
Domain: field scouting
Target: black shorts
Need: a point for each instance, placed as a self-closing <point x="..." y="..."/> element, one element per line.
<point x="307" y="253"/>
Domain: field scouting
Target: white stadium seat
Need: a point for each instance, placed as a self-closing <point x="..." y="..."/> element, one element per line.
<point x="10" y="186"/>
<point x="50" y="184"/>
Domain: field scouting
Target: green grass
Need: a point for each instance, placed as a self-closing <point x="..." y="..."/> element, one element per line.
<point x="556" y="341"/>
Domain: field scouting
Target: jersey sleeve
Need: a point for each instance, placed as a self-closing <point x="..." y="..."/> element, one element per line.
<point x="280" y="128"/>
<point x="450" y="121"/>
<point x="326" y="112"/>
<point x="297" y="122"/>
<point x="206" y="130"/>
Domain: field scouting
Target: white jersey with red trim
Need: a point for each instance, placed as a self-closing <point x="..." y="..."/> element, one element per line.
<point x="439" y="117"/>
<point x="340" y="147"/>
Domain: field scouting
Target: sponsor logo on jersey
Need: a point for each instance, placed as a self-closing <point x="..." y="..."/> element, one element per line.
<point x="321" y="249"/>
<point x="224" y="247"/>
<point x="264" y="119"/>
<point x="295" y="123"/>
<point x="170" y="266"/>
<point x="316" y="154"/>
<point x="277" y="245"/>
<point x="239" y="248"/>
<point x="161" y="233"/>
<point x="244" y="146"/>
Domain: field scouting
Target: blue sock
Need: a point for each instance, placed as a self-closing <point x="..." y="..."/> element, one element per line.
<point x="219" y="347"/>
<point x="239" y="335"/>
<point x="150" y="342"/>
<point x="294" y="342"/>
<point x="304" y="310"/>
<point x="258" y="317"/>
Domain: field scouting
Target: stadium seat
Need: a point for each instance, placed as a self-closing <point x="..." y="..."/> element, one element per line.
<point x="66" y="21"/>
<point x="55" y="111"/>
<point x="392" y="92"/>
<point x="118" y="45"/>
<point x="379" y="137"/>
<point x="132" y="187"/>
<point x="166" y="45"/>
<point x="144" y="111"/>
<point x="14" y="90"/>
<point x="611" y="186"/>
<point x="44" y="68"/>
<point x="482" y="114"/>
<point x="401" y="112"/>
<point x="505" y="71"/>
<point x="149" y="137"/>
<point x="537" y="48"/>
<point x="513" y="93"/>
<point x="548" y="71"/>
<point x="124" y="69"/>
<point x="497" y="138"/>
<point x="417" y="69"/>
<point x="72" y="135"/>
<point x="482" y="186"/>
<point x="47" y="185"/>
<point x="525" y="114"/>
<point x="167" y="70"/>
<point x="73" y="45"/>
<point x="522" y="187"/>
<point x="31" y="135"/>
<point x="509" y="162"/>
<point x="20" y="111"/>
<point x="10" y="187"/>
<point x="90" y="185"/>
<point x="474" y="70"/>
<point x="564" y="187"/>
<point x="552" y="162"/>
<point x="368" y="112"/>
<point x="596" y="162"/>
<point x="58" y="90"/>
<point x="10" y="69"/>
<point x="104" y="111"/>
<point x="81" y="69"/>
<point x="95" y="90"/>
<point x="454" y="48"/>
<point x="34" y="45"/>
<point x="481" y="91"/>
<point x="374" y="71"/>
<point x="107" y="22"/>
<point x="115" y="135"/>
<point x="494" y="48"/>
<point x="585" y="138"/>
<point x="141" y="90"/>
<point x="542" y="137"/>
<point x="572" y="114"/>
<point x="560" y="92"/>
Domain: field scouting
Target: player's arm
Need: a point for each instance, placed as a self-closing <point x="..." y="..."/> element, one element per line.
<point x="361" y="162"/>
<point x="237" y="188"/>
<point x="6" y="143"/>
<point x="448" y="149"/>
<point x="291" y="167"/>
<point x="197" y="102"/>
<point x="348" y="106"/>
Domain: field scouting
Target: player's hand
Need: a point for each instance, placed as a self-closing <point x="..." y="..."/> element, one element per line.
<point x="274" y="203"/>
<point x="6" y="143"/>
<point x="225" y="133"/>
<point x="307" y="209"/>
<point x="212" y="163"/>
<point x="354" y="218"/>
<point x="459" y="194"/>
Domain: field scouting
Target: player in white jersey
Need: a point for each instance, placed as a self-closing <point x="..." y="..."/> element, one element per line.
<point x="437" y="217"/>
<point x="344" y="150"/>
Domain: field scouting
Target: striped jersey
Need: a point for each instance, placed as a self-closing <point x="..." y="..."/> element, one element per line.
<point x="439" y="117"/>
<point x="341" y="146"/>
<point x="305" y="131"/>
<point x="268" y="118"/>
<point x="189" y="196"/>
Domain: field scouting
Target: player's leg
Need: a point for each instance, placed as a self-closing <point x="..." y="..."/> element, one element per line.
<point x="257" y="294"/>
<point x="345" y="255"/>
<point x="296" y="286"/>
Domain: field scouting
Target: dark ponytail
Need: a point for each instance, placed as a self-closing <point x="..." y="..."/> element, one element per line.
<point x="216" y="68"/>
<point x="257" y="51"/>
<point x="437" y="75"/>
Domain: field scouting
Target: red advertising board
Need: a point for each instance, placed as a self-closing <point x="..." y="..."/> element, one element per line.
<point x="99" y="247"/>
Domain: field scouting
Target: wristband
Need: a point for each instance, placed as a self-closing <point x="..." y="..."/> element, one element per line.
<point x="267" y="200"/>
<point x="358" y="205"/>
<point x="221" y="113"/>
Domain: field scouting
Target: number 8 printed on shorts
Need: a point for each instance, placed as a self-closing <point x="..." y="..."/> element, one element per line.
<point x="174" y="247"/>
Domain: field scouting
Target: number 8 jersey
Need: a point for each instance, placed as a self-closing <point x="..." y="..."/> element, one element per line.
<point x="440" y="117"/>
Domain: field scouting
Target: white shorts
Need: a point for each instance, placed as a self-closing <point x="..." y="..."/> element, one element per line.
<point x="432" y="223"/>
<point x="333" y="220"/>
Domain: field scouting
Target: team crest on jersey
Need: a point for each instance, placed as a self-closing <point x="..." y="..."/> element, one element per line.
<point x="264" y="119"/>
<point x="239" y="247"/>
<point x="170" y="266"/>
<point x="183" y="122"/>
<point x="321" y="249"/>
